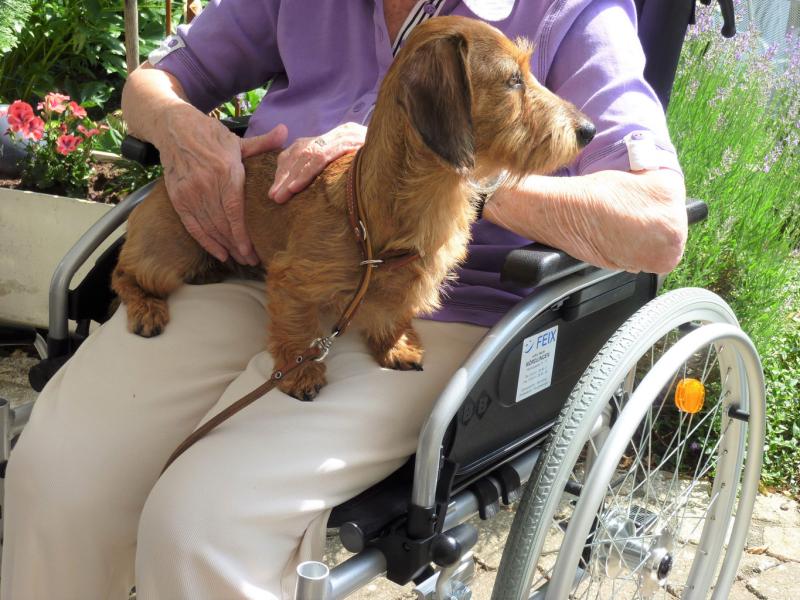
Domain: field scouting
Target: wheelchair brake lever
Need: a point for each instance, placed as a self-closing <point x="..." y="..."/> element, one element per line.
<point x="728" y="16"/>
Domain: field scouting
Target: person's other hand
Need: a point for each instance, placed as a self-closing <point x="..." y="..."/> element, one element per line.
<point x="204" y="175"/>
<point x="306" y="158"/>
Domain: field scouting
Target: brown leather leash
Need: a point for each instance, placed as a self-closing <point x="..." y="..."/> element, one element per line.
<point x="320" y="347"/>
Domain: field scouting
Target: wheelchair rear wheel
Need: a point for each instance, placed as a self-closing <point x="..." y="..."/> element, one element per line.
<point x="643" y="490"/>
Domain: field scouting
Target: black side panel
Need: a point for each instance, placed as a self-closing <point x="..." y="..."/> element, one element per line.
<point x="491" y="423"/>
<point x="93" y="297"/>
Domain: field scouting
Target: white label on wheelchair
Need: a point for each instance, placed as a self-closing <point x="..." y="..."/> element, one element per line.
<point x="536" y="362"/>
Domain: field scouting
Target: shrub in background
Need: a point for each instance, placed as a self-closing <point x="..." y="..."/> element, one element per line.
<point x="736" y="122"/>
<point x="13" y="16"/>
<point x="72" y="45"/>
<point x="782" y="372"/>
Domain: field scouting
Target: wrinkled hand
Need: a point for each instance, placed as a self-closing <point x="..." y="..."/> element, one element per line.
<point x="204" y="175"/>
<point x="306" y="158"/>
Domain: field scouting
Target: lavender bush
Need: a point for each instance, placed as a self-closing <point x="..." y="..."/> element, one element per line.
<point x="735" y="118"/>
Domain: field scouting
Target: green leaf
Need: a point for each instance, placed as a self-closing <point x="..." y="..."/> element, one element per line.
<point x="14" y="14"/>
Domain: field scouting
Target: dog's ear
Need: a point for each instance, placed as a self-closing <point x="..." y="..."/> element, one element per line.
<point x="437" y="98"/>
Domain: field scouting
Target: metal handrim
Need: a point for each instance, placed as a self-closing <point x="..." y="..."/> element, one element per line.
<point x="606" y="517"/>
<point x="528" y="553"/>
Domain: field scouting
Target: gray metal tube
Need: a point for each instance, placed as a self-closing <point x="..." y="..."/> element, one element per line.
<point x="40" y="344"/>
<point x="426" y="470"/>
<point x="359" y="570"/>
<point x="313" y="581"/>
<point x="5" y="428"/>
<point x="356" y="572"/>
<point x="19" y="418"/>
<point x="465" y="505"/>
<point x="77" y="255"/>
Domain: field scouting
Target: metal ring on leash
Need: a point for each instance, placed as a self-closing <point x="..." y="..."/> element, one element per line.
<point x="324" y="344"/>
<point x="372" y="263"/>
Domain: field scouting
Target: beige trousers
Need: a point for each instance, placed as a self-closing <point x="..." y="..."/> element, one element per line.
<point x="235" y="514"/>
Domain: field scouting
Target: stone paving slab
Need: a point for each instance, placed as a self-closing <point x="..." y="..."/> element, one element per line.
<point x="780" y="583"/>
<point x="14" y="384"/>
<point x="740" y="592"/>
<point x="783" y="542"/>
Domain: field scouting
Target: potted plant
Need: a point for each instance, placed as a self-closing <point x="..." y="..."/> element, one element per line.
<point x="45" y="211"/>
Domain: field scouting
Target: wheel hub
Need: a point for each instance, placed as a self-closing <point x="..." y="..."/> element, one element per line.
<point x="628" y="545"/>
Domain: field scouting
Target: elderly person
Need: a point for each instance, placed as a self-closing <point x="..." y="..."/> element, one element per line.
<point x="87" y="514"/>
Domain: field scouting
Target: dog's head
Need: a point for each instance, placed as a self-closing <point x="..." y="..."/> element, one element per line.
<point x="468" y="92"/>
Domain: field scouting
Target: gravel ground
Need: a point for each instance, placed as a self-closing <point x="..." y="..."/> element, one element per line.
<point x="769" y="570"/>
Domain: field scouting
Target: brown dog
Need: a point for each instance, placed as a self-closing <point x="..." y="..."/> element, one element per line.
<point x="458" y="104"/>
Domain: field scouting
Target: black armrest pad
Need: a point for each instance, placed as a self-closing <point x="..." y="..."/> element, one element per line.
<point x="146" y="154"/>
<point x="537" y="264"/>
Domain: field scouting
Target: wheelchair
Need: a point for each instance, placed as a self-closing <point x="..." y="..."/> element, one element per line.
<point x="627" y="425"/>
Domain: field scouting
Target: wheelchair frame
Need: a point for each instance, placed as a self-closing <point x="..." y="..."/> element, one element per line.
<point x="556" y="276"/>
<point x="565" y="277"/>
<point x="370" y="563"/>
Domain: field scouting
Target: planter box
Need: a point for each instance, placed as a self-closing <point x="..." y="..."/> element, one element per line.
<point x="36" y="230"/>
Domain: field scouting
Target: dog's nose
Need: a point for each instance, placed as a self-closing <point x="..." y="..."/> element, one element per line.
<point x="585" y="133"/>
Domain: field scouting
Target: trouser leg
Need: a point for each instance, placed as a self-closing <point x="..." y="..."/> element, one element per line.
<point x="101" y="431"/>
<point x="232" y="516"/>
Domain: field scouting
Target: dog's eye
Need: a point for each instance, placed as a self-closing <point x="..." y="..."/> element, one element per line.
<point x="516" y="81"/>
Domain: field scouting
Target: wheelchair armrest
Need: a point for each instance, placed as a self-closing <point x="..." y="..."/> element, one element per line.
<point x="536" y="264"/>
<point x="58" y="331"/>
<point x="147" y="154"/>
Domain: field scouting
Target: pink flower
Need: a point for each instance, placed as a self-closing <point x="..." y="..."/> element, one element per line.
<point x="88" y="132"/>
<point x="67" y="144"/>
<point x="55" y="102"/>
<point x="19" y="113"/>
<point x="77" y="110"/>
<point x="34" y="128"/>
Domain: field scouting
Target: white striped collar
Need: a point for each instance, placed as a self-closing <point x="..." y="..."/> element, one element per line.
<point x="422" y="11"/>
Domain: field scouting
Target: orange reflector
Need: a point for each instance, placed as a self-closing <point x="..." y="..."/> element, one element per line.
<point x="690" y="395"/>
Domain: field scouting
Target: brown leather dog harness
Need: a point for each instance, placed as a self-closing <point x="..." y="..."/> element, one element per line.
<point x="320" y="347"/>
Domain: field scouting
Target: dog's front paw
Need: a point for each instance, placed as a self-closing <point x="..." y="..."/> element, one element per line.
<point x="305" y="382"/>
<point x="402" y="357"/>
<point x="148" y="317"/>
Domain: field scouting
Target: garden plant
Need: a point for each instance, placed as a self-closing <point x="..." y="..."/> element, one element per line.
<point x="62" y="139"/>
<point x="735" y="119"/>
<point x="75" y="48"/>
